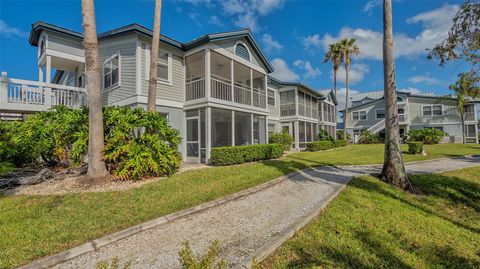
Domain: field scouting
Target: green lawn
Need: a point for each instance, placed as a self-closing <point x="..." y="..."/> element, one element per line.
<point x="373" y="225"/>
<point x="37" y="226"/>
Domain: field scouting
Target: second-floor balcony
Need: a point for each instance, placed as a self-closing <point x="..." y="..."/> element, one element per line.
<point x="32" y="96"/>
<point x="214" y="77"/>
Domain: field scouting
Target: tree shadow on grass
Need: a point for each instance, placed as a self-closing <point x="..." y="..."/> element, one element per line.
<point x="472" y="201"/>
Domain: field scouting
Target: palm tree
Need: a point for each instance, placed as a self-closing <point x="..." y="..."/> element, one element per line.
<point x="466" y="86"/>
<point x="393" y="170"/>
<point x="96" y="164"/>
<point x="348" y="47"/>
<point x="334" y="54"/>
<point x="152" y="81"/>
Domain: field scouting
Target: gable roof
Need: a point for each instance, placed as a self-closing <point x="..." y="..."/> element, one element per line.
<point x="332" y="95"/>
<point x="297" y="84"/>
<point x="38" y="26"/>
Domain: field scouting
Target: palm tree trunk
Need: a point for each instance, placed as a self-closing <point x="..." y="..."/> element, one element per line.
<point x="96" y="164"/>
<point x="462" y="115"/>
<point x="152" y="81"/>
<point x="345" y="117"/>
<point x="393" y="170"/>
<point x="335" y="82"/>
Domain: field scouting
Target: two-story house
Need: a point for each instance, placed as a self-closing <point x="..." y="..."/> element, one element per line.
<point x="415" y="111"/>
<point x="215" y="89"/>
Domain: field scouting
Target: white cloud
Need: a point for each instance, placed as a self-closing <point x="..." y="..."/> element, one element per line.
<point x="215" y="21"/>
<point x="356" y="73"/>
<point x="411" y="90"/>
<point x="282" y="71"/>
<point x="370" y="5"/>
<point x="248" y="11"/>
<point x="306" y="66"/>
<point x="271" y="44"/>
<point x="312" y="42"/>
<point x="341" y="94"/>
<point x="194" y="17"/>
<point x="435" y="26"/>
<point x="423" y="79"/>
<point x="11" y="31"/>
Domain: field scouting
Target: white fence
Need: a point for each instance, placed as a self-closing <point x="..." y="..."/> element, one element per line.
<point x="25" y="95"/>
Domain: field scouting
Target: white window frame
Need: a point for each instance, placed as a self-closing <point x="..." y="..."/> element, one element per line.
<point x="147" y="66"/>
<point x="360" y="119"/>
<point x="431" y="109"/>
<point x="119" y="83"/>
<point x="376" y="117"/>
<point x="245" y="45"/>
<point x="274" y="97"/>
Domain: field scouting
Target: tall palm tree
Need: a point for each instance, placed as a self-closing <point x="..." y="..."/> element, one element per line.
<point x="466" y="86"/>
<point x="393" y="170"/>
<point x="348" y="47"/>
<point x="152" y="81"/>
<point x="334" y="55"/>
<point x="96" y="164"/>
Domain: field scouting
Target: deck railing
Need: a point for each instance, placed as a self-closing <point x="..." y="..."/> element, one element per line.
<point x="195" y="89"/>
<point x="259" y="99"/>
<point x="242" y="94"/>
<point x="221" y="89"/>
<point x="19" y="95"/>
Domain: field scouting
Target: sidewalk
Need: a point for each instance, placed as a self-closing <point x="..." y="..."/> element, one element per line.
<point x="251" y="226"/>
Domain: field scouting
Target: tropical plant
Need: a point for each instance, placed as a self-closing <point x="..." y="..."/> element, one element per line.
<point x="152" y="81"/>
<point x="348" y="47"/>
<point x="319" y="145"/>
<point x="324" y="136"/>
<point x="339" y="135"/>
<point x="393" y="170"/>
<point x="209" y="261"/>
<point x="334" y="55"/>
<point x="367" y="137"/>
<point x="96" y="165"/>
<point x="415" y="147"/>
<point x="281" y="138"/>
<point x="427" y="135"/>
<point x="467" y="86"/>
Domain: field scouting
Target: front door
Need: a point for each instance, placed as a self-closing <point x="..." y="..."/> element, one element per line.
<point x="193" y="139"/>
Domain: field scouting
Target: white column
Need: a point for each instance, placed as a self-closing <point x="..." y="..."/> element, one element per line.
<point x="266" y="97"/>
<point x="251" y="87"/>
<point x="296" y="102"/>
<point x="3" y="88"/>
<point x="251" y="129"/>
<point x="208" y="127"/>
<point x="297" y="139"/>
<point x="232" y="77"/>
<point x="40" y="74"/>
<point x="48" y="91"/>
<point x="266" y="129"/>
<point x="233" y="127"/>
<point x="207" y="74"/>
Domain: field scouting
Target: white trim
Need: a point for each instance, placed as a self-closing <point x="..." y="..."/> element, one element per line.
<point x="65" y="55"/>
<point x="119" y="83"/>
<point x="169" y="65"/>
<point x="240" y="42"/>
<point x="431" y="106"/>
<point x="140" y="99"/>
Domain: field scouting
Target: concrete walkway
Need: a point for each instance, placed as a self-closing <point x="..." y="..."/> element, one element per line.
<point x="249" y="226"/>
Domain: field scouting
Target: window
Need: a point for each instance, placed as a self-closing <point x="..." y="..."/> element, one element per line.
<point x="259" y="128"/>
<point x="242" y="51"/>
<point x="111" y="72"/>
<point x="359" y="115"/>
<point x="243" y="128"/>
<point x="470" y="130"/>
<point x="271" y="129"/>
<point x="380" y="113"/>
<point x="221" y="129"/>
<point x="271" y="98"/>
<point x="433" y="110"/>
<point x="162" y="66"/>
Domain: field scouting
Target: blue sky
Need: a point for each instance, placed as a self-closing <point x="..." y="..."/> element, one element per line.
<point x="293" y="34"/>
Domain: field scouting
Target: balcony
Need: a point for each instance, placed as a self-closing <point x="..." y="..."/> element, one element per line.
<point x="213" y="77"/>
<point x="31" y="96"/>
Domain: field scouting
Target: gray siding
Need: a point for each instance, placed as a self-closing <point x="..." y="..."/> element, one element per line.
<point x="450" y="112"/>
<point x="230" y="46"/>
<point x="370" y="121"/>
<point x="274" y="111"/>
<point x="126" y="47"/>
<point x="65" y="44"/>
<point x="173" y="92"/>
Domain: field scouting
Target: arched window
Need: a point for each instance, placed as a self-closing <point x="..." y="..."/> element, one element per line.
<point x="399" y="99"/>
<point x="242" y="51"/>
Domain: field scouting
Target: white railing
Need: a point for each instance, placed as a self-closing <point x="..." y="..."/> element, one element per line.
<point x="17" y="94"/>
<point x="328" y="117"/>
<point x="287" y="110"/>
<point x="221" y="89"/>
<point x="377" y="127"/>
<point x="195" y="89"/>
<point x="242" y="94"/>
<point x="402" y="118"/>
<point x="259" y="100"/>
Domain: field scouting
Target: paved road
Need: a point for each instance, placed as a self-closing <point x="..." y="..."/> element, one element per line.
<point x="246" y="224"/>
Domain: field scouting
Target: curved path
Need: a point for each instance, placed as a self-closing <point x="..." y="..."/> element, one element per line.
<point x="251" y="226"/>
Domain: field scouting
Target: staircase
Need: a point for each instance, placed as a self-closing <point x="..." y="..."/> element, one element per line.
<point x="377" y="127"/>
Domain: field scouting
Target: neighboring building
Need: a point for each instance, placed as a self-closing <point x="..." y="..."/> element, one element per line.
<point x="215" y="89"/>
<point x="415" y="111"/>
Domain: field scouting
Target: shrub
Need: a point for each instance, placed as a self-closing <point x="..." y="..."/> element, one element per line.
<point x="281" y="138"/>
<point x="319" y="145"/>
<point x="339" y="134"/>
<point x="242" y="154"/>
<point x="340" y="143"/>
<point x="415" y="147"/>
<point x="137" y="143"/>
<point x="427" y="136"/>
<point x="324" y="136"/>
<point x="210" y="260"/>
<point x="367" y="137"/>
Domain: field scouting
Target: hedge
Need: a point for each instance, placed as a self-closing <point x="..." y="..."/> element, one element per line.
<point x="319" y="145"/>
<point x="242" y="154"/>
<point x="340" y="143"/>
<point x="415" y="147"/>
<point x="281" y="138"/>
